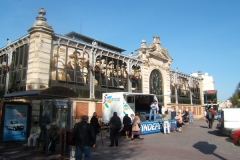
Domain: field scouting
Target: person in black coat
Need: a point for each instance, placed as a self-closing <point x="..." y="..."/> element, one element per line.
<point x="115" y="126"/>
<point x="95" y="124"/>
<point x="127" y="124"/>
<point x="83" y="138"/>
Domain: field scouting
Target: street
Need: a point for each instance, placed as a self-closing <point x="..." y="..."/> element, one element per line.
<point x="194" y="143"/>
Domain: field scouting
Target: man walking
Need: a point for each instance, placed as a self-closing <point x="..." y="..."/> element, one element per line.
<point x="153" y="110"/>
<point x="127" y="124"/>
<point x="83" y="138"/>
<point x="191" y="113"/>
<point x="115" y="126"/>
<point x="210" y="117"/>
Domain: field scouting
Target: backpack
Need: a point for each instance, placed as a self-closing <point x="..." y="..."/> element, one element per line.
<point x="209" y="115"/>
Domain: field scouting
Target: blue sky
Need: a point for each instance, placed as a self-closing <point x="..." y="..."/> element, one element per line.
<point x="199" y="34"/>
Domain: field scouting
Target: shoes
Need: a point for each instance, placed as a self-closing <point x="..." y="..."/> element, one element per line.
<point x="49" y="153"/>
<point x="110" y="146"/>
<point x="116" y="145"/>
<point x="28" y="148"/>
<point x="132" y="138"/>
<point x="32" y="148"/>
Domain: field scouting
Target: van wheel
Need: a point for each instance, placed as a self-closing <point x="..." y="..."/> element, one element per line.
<point x="238" y="141"/>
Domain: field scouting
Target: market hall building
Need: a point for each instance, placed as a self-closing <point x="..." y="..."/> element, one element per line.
<point x="45" y="74"/>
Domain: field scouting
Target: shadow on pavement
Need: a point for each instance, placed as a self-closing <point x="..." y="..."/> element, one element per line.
<point x="229" y="140"/>
<point x="216" y="133"/>
<point x="203" y="126"/>
<point x="207" y="148"/>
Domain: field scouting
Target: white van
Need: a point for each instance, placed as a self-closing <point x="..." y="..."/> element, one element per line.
<point x="126" y="103"/>
<point x="14" y="125"/>
<point x="230" y="119"/>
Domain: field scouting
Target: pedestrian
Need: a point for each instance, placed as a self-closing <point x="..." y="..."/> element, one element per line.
<point x="179" y="122"/>
<point x="127" y="124"/>
<point x="153" y="110"/>
<point x="132" y="118"/>
<point x="166" y="125"/>
<point x="34" y="135"/>
<point x="54" y="137"/>
<point x="83" y="138"/>
<point x="95" y="124"/>
<point x="173" y="113"/>
<point x="191" y="113"/>
<point x="115" y="126"/>
<point x="136" y="127"/>
<point x="210" y="118"/>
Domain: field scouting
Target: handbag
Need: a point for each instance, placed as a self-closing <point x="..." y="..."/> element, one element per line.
<point x="72" y="153"/>
<point x="139" y="125"/>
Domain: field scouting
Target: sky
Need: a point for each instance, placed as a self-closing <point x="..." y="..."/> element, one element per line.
<point x="199" y="34"/>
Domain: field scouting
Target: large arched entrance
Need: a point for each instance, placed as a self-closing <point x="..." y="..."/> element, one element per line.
<point x="156" y="85"/>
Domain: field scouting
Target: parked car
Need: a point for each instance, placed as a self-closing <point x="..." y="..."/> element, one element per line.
<point x="14" y="124"/>
<point x="235" y="135"/>
<point x="217" y="116"/>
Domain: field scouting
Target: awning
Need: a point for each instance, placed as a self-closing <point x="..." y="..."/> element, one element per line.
<point x="49" y="93"/>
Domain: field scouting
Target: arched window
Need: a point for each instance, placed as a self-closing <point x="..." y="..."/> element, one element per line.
<point x="155" y="84"/>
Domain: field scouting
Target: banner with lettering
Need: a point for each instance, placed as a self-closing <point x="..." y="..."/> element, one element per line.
<point x="151" y="127"/>
<point x="154" y="126"/>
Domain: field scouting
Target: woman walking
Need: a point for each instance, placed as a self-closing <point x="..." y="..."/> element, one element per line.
<point x="136" y="127"/>
<point x="179" y="122"/>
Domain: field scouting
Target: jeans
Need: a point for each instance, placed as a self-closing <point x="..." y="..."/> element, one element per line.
<point x="34" y="138"/>
<point x="80" y="149"/>
<point x="114" y="131"/>
<point x="210" y="123"/>
<point x="154" y="114"/>
<point x="166" y="127"/>
<point x="191" y="120"/>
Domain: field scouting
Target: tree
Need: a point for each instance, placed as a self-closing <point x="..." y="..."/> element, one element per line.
<point x="236" y="96"/>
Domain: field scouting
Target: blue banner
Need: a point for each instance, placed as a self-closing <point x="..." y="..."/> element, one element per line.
<point x="149" y="127"/>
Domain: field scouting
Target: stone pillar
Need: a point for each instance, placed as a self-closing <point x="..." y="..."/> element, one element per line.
<point x="39" y="53"/>
<point x="166" y="89"/>
<point x="145" y="79"/>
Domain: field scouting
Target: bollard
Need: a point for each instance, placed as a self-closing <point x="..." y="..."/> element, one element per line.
<point x="62" y="148"/>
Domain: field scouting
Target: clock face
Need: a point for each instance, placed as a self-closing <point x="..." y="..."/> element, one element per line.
<point x="155" y="83"/>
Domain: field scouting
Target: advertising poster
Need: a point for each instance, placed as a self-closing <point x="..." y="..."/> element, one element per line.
<point x="15" y="122"/>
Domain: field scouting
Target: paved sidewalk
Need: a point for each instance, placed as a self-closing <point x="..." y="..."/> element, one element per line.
<point x="196" y="142"/>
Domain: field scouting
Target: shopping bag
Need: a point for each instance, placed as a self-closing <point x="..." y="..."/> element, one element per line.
<point x="72" y="153"/>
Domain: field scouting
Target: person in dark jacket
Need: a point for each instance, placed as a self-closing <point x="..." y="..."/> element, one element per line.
<point x="173" y="113"/>
<point x="83" y="138"/>
<point x="210" y="118"/>
<point x="95" y="124"/>
<point x="115" y="126"/>
<point x="127" y="124"/>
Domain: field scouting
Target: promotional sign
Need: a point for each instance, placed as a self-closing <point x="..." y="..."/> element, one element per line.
<point x="15" y="122"/>
<point x="151" y="127"/>
<point x="155" y="126"/>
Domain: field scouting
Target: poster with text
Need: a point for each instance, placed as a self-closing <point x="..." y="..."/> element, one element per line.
<point x="15" y="122"/>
